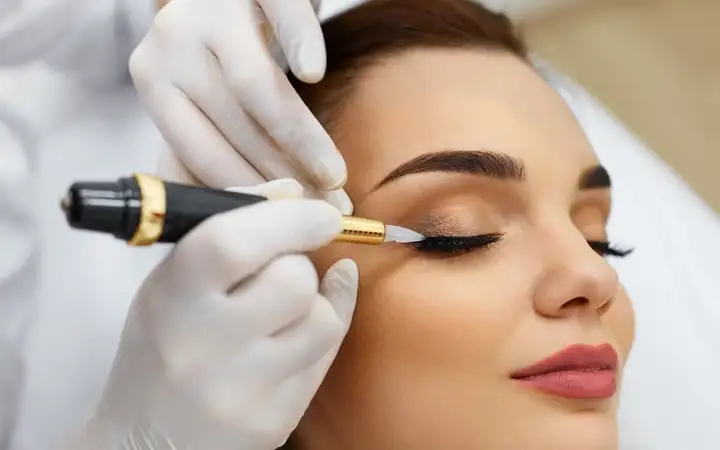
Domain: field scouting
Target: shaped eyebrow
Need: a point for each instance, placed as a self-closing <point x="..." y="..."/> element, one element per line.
<point x="490" y="164"/>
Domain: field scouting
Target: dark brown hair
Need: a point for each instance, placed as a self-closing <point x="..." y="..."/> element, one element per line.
<point x="377" y="29"/>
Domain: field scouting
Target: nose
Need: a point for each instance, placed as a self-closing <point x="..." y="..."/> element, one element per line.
<point x="575" y="280"/>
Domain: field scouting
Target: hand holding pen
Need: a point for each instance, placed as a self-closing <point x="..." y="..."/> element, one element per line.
<point x="233" y="327"/>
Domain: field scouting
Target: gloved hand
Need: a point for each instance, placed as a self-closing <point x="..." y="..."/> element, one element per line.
<point x="207" y="75"/>
<point x="230" y="336"/>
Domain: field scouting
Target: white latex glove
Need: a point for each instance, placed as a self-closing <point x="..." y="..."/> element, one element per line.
<point x="229" y="338"/>
<point x="207" y="76"/>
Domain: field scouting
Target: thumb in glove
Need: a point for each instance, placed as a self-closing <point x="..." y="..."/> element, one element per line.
<point x="339" y="287"/>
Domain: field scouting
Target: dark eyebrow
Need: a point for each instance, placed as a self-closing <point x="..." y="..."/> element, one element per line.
<point x="490" y="164"/>
<point x="596" y="177"/>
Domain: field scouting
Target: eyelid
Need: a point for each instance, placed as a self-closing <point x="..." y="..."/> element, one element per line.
<point x="450" y="225"/>
<point x="436" y="225"/>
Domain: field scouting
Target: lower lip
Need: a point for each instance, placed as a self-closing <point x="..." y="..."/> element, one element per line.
<point x="575" y="384"/>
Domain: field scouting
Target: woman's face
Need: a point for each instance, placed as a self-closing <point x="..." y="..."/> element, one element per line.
<point x="437" y="336"/>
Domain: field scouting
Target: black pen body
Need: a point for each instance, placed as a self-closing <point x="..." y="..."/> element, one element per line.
<point x="144" y="210"/>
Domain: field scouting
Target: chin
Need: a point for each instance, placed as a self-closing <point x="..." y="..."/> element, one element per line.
<point x="586" y="431"/>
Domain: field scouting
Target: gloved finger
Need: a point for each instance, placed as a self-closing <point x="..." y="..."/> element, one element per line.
<point x="186" y="129"/>
<point x="266" y="94"/>
<point x="273" y="190"/>
<point x="229" y="247"/>
<point x="340" y="287"/>
<point x="308" y="341"/>
<point x="280" y="294"/>
<point x="243" y="133"/>
<point x="294" y="393"/>
<point x="298" y="31"/>
<point x="215" y="328"/>
<point x="170" y="168"/>
<point x="338" y="198"/>
<point x="316" y="6"/>
<point x="249" y="140"/>
<point x="292" y="396"/>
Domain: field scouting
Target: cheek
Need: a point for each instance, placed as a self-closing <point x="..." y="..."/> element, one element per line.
<point x="425" y="345"/>
<point x="433" y="315"/>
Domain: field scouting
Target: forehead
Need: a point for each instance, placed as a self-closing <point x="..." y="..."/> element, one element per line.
<point x="457" y="99"/>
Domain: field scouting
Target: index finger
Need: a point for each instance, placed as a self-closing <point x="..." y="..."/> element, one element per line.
<point x="267" y="95"/>
<point x="229" y="247"/>
<point x="297" y="29"/>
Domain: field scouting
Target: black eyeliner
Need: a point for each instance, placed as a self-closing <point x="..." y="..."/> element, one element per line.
<point x="450" y="244"/>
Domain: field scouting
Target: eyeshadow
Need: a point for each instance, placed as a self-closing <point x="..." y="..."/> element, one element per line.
<point x="440" y="225"/>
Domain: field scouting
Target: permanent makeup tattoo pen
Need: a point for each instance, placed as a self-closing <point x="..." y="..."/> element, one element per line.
<point x="144" y="210"/>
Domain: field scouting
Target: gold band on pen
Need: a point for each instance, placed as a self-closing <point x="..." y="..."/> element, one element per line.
<point x="153" y="206"/>
<point x="362" y="231"/>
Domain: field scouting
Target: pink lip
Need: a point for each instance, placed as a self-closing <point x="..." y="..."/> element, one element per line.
<point x="578" y="371"/>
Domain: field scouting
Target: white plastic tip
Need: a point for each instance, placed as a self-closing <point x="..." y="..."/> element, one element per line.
<point x="394" y="233"/>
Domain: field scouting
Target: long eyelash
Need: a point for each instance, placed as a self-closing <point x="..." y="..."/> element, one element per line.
<point x="457" y="244"/>
<point x="604" y="248"/>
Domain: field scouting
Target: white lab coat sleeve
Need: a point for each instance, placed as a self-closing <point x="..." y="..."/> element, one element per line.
<point x="90" y="40"/>
<point x="19" y="263"/>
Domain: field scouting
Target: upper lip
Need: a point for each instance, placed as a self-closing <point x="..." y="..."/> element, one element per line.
<point x="574" y="357"/>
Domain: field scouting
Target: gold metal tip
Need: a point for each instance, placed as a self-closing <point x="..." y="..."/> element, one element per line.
<point x="357" y="230"/>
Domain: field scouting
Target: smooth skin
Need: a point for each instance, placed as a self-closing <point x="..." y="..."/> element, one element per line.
<point x="434" y="338"/>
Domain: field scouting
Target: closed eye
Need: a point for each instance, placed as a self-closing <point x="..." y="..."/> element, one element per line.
<point x="463" y="244"/>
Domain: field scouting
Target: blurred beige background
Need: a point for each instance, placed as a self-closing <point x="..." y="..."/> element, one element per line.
<point x="655" y="64"/>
